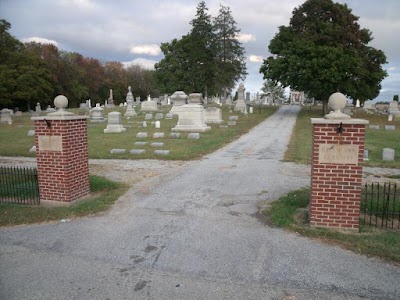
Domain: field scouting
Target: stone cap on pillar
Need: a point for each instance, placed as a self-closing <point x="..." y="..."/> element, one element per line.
<point x="60" y="102"/>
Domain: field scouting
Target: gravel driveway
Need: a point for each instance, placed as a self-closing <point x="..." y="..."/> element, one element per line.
<point x="189" y="230"/>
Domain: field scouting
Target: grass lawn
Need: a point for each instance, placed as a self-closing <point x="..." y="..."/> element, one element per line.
<point x="291" y="212"/>
<point x="299" y="149"/>
<point x="15" y="141"/>
<point x="104" y="193"/>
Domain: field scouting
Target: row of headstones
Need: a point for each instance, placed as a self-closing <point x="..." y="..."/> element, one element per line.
<point x="387" y="154"/>
<point x="173" y="135"/>
<point x="387" y="127"/>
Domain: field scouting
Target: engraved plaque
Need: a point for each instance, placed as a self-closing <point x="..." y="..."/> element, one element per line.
<point x="338" y="154"/>
<point x="50" y="143"/>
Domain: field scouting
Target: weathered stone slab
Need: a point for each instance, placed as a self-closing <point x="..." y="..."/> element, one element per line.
<point x="375" y="127"/>
<point x="233" y="118"/>
<point x="140" y="143"/>
<point x="114" y="123"/>
<point x="149" y="106"/>
<point x="390" y="127"/>
<point x="194" y="135"/>
<point x="231" y="123"/>
<point x="142" y="135"/>
<point x="161" y="152"/>
<point x="168" y="116"/>
<point x="159" y="116"/>
<point x="50" y="143"/>
<point x="137" y="151"/>
<point x="31" y="133"/>
<point x="174" y="135"/>
<point x="388" y="154"/>
<point x="148" y="117"/>
<point x="223" y="126"/>
<point x="118" y="151"/>
<point x="158" y="135"/>
<point x="366" y="154"/>
<point x="213" y="115"/>
<point x="33" y="149"/>
<point x="157" y="144"/>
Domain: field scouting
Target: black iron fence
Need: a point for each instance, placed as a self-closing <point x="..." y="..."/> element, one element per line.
<point x="19" y="185"/>
<point x="380" y="205"/>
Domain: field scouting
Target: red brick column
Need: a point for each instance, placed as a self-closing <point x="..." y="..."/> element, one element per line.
<point x="336" y="173"/>
<point x="62" y="158"/>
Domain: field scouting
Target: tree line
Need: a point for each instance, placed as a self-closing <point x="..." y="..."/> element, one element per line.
<point x="32" y="72"/>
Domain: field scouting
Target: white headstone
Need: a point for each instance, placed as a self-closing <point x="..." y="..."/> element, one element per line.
<point x="388" y="154"/>
<point x="114" y="123"/>
<point x="158" y="124"/>
<point x="240" y="103"/>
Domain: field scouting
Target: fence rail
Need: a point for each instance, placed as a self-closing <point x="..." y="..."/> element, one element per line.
<point x="19" y="185"/>
<point x="380" y="205"/>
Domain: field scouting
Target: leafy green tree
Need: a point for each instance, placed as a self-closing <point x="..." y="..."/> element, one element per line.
<point x="189" y="63"/>
<point x="396" y="98"/>
<point x="273" y="89"/>
<point x="324" y="50"/>
<point x="230" y="59"/>
<point x="202" y="43"/>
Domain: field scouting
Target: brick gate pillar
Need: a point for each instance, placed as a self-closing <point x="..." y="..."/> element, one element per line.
<point x="62" y="155"/>
<point x="336" y="168"/>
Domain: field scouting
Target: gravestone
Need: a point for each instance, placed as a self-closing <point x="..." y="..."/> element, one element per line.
<point x="114" y="123"/>
<point x="375" y="127"/>
<point x="388" y="154"/>
<point x="174" y="135"/>
<point x="358" y="103"/>
<point x="233" y="118"/>
<point x="213" y="115"/>
<point x="168" y="116"/>
<point x="178" y="99"/>
<point x="110" y="100"/>
<point x="157" y="124"/>
<point x="137" y="151"/>
<point x="130" y="110"/>
<point x="158" y="135"/>
<point x="390" y="127"/>
<point x="140" y="143"/>
<point x="142" y="135"/>
<point x="144" y="124"/>
<point x="161" y="152"/>
<point x="390" y="118"/>
<point x="5" y="116"/>
<point x="191" y="117"/>
<point x="96" y="114"/>
<point x="159" y="116"/>
<point x="240" y="103"/>
<point x="194" y="135"/>
<point x="231" y="123"/>
<point x="38" y="109"/>
<point x="149" y="105"/>
<point x="33" y="149"/>
<point x="394" y="108"/>
<point x="148" y="116"/>
<point x="368" y="105"/>
<point x="157" y="144"/>
<point x="251" y="109"/>
<point x="117" y="151"/>
<point x="366" y="154"/>
<point x="31" y="133"/>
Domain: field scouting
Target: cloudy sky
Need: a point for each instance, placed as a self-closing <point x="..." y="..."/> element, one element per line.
<point x="132" y="30"/>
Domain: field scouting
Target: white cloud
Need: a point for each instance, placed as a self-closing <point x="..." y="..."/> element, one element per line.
<point x="143" y="62"/>
<point x="392" y="69"/>
<point x="246" y="37"/>
<point x="256" y="58"/>
<point x="152" y="49"/>
<point x="85" y="4"/>
<point x="39" y="40"/>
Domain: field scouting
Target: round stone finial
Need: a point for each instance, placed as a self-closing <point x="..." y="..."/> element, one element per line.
<point x="60" y="102"/>
<point x="337" y="101"/>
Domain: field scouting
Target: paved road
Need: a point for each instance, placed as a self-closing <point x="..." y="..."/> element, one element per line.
<point x="193" y="234"/>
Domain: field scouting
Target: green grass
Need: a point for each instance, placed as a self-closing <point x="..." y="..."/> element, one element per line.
<point x="104" y="193"/>
<point x="15" y="141"/>
<point x="291" y="212"/>
<point x="299" y="149"/>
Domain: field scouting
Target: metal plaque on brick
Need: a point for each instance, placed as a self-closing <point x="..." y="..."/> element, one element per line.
<point x="50" y="143"/>
<point x="338" y="154"/>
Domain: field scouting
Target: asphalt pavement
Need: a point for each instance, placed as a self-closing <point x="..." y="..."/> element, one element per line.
<point x="194" y="234"/>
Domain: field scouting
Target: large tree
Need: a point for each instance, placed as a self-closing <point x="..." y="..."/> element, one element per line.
<point x="230" y="59"/>
<point x="324" y="50"/>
